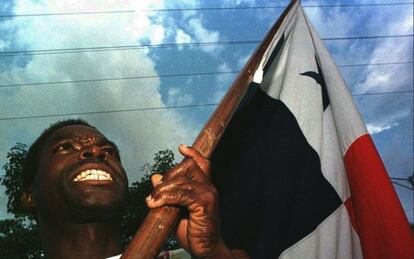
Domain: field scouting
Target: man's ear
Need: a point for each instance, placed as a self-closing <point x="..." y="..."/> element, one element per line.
<point x="27" y="201"/>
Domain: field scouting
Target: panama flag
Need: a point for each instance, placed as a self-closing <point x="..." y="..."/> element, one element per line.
<point x="297" y="172"/>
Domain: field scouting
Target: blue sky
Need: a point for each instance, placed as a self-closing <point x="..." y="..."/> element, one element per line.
<point x="142" y="133"/>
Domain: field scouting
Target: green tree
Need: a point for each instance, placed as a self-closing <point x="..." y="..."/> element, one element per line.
<point x="19" y="236"/>
<point x="13" y="179"/>
<point x="19" y="239"/>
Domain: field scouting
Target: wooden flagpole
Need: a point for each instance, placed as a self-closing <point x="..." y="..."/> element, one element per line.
<point x="160" y="222"/>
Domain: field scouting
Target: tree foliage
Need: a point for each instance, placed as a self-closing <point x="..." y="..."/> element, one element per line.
<point x="13" y="179"/>
<point x="19" y="237"/>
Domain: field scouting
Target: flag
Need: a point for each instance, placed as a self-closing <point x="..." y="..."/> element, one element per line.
<point x="297" y="173"/>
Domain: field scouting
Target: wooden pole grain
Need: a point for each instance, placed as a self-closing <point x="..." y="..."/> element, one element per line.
<point x="160" y="222"/>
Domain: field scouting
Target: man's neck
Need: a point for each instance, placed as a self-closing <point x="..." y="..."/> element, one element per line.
<point x="88" y="240"/>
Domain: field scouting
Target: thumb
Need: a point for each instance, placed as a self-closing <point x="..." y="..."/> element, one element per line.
<point x="156" y="179"/>
<point x="194" y="154"/>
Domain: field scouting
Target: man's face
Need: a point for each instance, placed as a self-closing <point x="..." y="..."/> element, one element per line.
<point x="79" y="176"/>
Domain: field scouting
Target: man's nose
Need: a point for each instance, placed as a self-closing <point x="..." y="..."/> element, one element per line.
<point x="93" y="151"/>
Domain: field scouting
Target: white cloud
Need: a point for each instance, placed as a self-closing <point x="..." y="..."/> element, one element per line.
<point x="375" y="129"/>
<point x="224" y="79"/>
<point x="182" y="37"/>
<point x="388" y="78"/>
<point x="144" y="28"/>
<point x="239" y="2"/>
<point x="201" y="34"/>
<point x="333" y="23"/>
<point x="176" y="96"/>
<point x="157" y="34"/>
<point x="3" y="45"/>
<point x="189" y="14"/>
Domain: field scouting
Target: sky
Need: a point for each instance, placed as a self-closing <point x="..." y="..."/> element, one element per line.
<point x="141" y="132"/>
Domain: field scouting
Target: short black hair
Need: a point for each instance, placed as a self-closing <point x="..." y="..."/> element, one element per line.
<point x="31" y="161"/>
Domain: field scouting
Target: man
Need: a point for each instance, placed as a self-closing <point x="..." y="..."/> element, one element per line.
<point x="75" y="185"/>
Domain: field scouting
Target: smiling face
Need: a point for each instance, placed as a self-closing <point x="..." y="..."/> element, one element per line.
<point x="79" y="176"/>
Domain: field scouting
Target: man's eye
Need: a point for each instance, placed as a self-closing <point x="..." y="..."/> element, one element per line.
<point x="65" y="147"/>
<point x="110" y="151"/>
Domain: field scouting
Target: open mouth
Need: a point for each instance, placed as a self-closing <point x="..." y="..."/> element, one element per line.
<point x="92" y="175"/>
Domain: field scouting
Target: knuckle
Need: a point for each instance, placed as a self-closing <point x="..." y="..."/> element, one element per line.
<point x="166" y="196"/>
<point x="191" y="163"/>
<point x="187" y="187"/>
<point x="177" y="170"/>
<point x="168" y="174"/>
<point x="183" y="179"/>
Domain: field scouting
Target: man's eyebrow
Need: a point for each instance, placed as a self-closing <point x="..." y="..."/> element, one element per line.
<point x="61" y="138"/>
<point x="107" y="141"/>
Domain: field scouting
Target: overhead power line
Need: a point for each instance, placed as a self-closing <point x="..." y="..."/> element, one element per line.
<point x="65" y="13"/>
<point x="169" y="45"/>
<point x="197" y="9"/>
<point x="122" y="47"/>
<point x="357" y="5"/>
<point x="382" y="93"/>
<point x="409" y="179"/>
<point x="120" y="78"/>
<point x="376" y="64"/>
<point x="108" y="111"/>
<point x="404" y="186"/>
<point x="368" y="37"/>
<point x="141" y="109"/>
<point x="171" y="75"/>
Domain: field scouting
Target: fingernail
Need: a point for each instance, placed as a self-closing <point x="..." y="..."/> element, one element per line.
<point x="148" y="198"/>
<point x="183" y="145"/>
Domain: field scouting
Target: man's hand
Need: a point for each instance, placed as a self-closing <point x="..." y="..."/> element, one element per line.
<point x="188" y="185"/>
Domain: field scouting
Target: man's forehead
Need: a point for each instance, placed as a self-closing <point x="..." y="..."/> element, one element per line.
<point x="76" y="132"/>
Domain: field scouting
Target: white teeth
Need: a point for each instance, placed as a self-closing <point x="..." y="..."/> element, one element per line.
<point x="93" y="174"/>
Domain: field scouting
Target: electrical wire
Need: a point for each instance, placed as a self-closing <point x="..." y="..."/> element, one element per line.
<point x="120" y="78"/>
<point x="109" y="111"/>
<point x="169" y="45"/>
<point x="122" y="47"/>
<point x="382" y="93"/>
<point x="141" y="109"/>
<point x="171" y="75"/>
<point x="368" y="37"/>
<point x="197" y="9"/>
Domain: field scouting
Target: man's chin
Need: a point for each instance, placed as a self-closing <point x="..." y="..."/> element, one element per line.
<point x="92" y="205"/>
<point x="92" y="211"/>
<point x="96" y="214"/>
